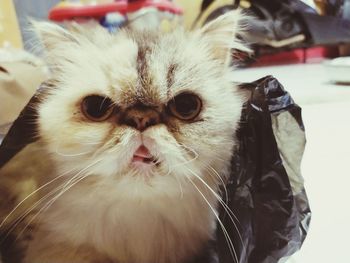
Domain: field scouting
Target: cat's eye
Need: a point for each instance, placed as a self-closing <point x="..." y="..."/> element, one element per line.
<point x="185" y="106"/>
<point x="97" y="108"/>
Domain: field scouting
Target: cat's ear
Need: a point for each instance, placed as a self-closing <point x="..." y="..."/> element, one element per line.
<point x="220" y="35"/>
<point x="52" y="35"/>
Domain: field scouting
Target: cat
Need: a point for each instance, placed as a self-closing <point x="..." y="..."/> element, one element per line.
<point x="134" y="141"/>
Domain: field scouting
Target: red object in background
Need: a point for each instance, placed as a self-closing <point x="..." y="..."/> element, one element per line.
<point x="163" y="5"/>
<point x="71" y="11"/>
<point x="308" y="55"/>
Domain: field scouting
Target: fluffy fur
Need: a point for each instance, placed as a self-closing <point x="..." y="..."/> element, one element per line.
<point x="98" y="208"/>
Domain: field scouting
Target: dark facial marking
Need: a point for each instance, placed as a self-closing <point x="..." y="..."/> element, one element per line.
<point x="146" y="91"/>
<point x="170" y="77"/>
<point x="142" y="68"/>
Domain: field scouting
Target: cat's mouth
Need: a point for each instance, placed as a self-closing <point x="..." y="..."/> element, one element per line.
<point x="143" y="156"/>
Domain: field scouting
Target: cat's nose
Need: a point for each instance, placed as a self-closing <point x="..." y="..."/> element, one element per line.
<point x="141" y="118"/>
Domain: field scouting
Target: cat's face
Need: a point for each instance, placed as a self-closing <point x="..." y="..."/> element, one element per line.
<point x="160" y="108"/>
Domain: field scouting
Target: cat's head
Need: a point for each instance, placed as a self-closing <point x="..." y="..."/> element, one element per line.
<point x="141" y="105"/>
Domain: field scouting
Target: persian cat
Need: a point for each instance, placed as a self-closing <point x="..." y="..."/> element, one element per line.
<point x="135" y="137"/>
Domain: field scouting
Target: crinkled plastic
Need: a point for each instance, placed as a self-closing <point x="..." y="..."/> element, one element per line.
<point x="271" y="213"/>
<point x="266" y="190"/>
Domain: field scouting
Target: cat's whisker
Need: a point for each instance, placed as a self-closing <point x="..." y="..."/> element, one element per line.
<point x="227" y="236"/>
<point x="224" y="205"/>
<point x="182" y="145"/>
<point x="189" y="149"/>
<point x="90" y="144"/>
<point x="111" y="143"/>
<point x="88" y="140"/>
<point x="81" y="171"/>
<point x="228" y="210"/>
<point x="207" y="167"/>
<point x="178" y="181"/>
<point x="30" y="209"/>
<point x="223" y="142"/>
<point x="63" y="189"/>
<point x="186" y="151"/>
<point x="185" y="162"/>
<point x="180" y="185"/>
<point x="215" y="156"/>
<point x="212" y="171"/>
<point x="48" y="205"/>
<point x="104" y="147"/>
<point x="31" y="194"/>
<point x="169" y="169"/>
<point x="19" y="220"/>
<point x="71" y="154"/>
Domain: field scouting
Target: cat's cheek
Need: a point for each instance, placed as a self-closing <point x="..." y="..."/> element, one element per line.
<point x="65" y="136"/>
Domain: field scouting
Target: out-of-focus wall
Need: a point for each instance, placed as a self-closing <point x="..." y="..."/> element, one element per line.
<point x="9" y="30"/>
<point x="37" y="9"/>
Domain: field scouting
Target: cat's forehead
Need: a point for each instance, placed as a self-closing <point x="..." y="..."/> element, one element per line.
<point x="137" y="67"/>
<point x="149" y="76"/>
<point x="154" y="65"/>
<point x="155" y="70"/>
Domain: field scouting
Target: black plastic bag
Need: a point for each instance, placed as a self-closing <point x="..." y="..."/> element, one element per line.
<point x="265" y="190"/>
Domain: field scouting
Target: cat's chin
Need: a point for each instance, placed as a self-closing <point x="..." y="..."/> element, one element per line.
<point x="143" y="168"/>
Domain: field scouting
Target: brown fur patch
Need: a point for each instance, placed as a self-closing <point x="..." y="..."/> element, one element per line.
<point x="146" y="91"/>
<point x="170" y="78"/>
<point x="142" y="67"/>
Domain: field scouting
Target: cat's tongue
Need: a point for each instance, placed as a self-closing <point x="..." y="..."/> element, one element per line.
<point x="142" y="154"/>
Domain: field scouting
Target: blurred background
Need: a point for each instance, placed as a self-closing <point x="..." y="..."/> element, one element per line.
<point x="304" y="44"/>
